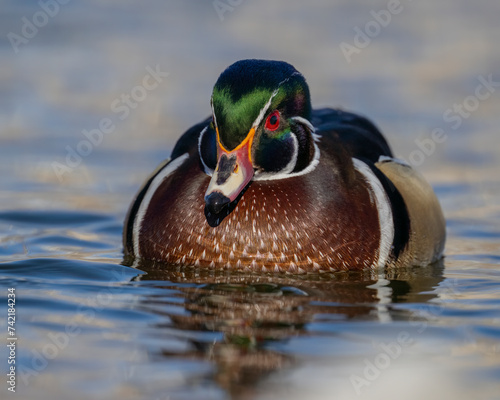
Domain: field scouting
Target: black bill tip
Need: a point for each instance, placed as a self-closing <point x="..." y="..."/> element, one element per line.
<point x="215" y="202"/>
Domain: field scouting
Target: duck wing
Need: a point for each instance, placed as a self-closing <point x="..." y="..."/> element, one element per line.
<point x="359" y="136"/>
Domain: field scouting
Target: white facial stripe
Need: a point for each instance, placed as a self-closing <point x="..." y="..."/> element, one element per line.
<point x="155" y="183"/>
<point x="384" y="211"/>
<point x="207" y="170"/>
<point x="291" y="165"/>
<point x="308" y="124"/>
<point x="263" y="176"/>
<point x="263" y="111"/>
<point x="285" y="172"/>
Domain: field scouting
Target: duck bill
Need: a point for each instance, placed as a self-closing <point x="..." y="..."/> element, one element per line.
<point x="233" y="173"/>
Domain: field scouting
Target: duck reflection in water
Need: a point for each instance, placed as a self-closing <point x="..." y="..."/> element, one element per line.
<point x="252" y="311"/>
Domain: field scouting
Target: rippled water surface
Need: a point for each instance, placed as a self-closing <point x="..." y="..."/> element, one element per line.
<point x="91" y="326"/>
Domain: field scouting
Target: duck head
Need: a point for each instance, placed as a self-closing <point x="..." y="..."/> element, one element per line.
<point x="260" y="129"/>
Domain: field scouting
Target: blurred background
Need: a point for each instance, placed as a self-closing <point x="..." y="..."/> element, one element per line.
<point x="60" y="75"/>
<point x="94" y="95"/>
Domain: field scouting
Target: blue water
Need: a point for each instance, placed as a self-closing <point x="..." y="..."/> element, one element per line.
<point x="91" y="326"/>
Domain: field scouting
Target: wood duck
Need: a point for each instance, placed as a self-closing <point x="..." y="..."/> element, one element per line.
<point x="269" y="184"/>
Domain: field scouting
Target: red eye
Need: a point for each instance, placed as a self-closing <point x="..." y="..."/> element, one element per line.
<point x="273" y="121"/>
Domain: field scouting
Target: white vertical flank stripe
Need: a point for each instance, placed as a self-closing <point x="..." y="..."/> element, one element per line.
<point x="207" y="170"/>
<point x="384" y="211"/>
<point x="155" y="183"/>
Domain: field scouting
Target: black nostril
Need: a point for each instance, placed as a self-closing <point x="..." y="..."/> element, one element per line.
<point x="215" y="202"/>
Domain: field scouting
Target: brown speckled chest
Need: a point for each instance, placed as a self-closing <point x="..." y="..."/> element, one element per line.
<point x="276" y="226"/>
